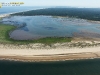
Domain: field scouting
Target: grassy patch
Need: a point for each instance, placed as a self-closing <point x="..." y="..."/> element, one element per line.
<point x="5" y="38"/>
<point x="50" y="40"/>
<point x="4" y="35"/>
<point x="0" y="18"/>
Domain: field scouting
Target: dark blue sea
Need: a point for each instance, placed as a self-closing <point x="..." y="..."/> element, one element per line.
<point x="72" y="67"/>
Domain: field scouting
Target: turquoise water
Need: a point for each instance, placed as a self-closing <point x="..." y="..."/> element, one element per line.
<point x="75" y="67"/>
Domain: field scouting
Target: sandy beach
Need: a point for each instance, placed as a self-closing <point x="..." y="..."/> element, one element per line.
<point x="59" y="54"/>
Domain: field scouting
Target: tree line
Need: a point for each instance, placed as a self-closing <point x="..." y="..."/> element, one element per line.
<point x="83" y="13"/>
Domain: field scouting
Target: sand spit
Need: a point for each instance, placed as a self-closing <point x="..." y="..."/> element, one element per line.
<point x="58" y="54"/>
<point x="36" y="52"/>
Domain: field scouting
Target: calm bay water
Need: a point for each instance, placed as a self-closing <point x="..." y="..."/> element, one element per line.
<point x="50" y="26"/>
<point x="75" y="67"/>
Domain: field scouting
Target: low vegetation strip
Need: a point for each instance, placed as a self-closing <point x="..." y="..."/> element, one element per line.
<point x="51" y="40"/>
<point x="4" y="33"/>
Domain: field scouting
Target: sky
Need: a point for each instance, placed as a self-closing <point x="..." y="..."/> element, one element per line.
<point x="73" y="3"/>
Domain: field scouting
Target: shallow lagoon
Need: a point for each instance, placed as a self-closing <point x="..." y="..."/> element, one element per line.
<point x="48" y="26"/>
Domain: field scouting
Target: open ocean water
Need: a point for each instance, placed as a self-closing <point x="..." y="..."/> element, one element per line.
<point x="12" y="9"/>
<point x="72" y="67"/>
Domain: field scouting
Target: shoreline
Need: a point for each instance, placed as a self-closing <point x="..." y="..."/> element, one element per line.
<point x="50" y="58"/>
<point x="58" y="54"/>
<point x="44" y="55"/>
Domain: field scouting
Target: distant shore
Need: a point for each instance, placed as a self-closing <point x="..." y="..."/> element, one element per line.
<point x="9" y="14"/>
